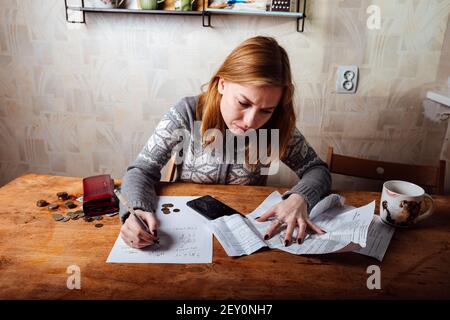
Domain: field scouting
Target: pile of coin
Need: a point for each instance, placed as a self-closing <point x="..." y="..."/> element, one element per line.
<point x="63" y="196"/>
<point x="165" y="208"/>
<point x="53" y="206"/>
<point x="76" y="215"/>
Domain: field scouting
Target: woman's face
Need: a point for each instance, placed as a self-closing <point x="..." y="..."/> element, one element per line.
<point x="246" y="107"/>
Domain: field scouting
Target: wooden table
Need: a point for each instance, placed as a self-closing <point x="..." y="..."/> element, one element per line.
<point x="35" y="252"/>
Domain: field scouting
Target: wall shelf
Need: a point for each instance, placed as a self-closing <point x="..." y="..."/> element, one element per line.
<point x="205" y="12"/>
<point x="86" y="9"/>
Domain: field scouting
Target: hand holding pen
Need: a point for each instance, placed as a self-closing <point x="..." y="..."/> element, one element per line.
<point x="140" y="229"/>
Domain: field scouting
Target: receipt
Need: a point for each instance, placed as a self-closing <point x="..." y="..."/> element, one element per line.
<point x="347" y="229"/>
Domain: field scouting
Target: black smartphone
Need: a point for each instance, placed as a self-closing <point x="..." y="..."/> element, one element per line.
<point x="211" y="208"/>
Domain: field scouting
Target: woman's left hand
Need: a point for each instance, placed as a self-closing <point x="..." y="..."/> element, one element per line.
<point x="292" y="211"/>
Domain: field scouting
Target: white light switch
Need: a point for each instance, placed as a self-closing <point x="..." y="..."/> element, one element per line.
<point x="347" y="79"/>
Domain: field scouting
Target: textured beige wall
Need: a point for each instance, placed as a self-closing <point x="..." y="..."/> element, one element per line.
<point x="82" y="100"/>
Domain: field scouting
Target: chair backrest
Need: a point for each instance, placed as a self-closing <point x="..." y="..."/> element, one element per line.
<point x="168" y="172"/>
<point x="425" y="176"/>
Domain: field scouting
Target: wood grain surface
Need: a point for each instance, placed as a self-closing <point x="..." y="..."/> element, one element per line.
<point x="35" y="252"/>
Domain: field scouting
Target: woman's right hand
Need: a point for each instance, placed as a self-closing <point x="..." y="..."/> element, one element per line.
<point x="133" y="234"/>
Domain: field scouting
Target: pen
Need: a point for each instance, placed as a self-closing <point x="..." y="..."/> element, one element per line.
<point x="125" y="202"/>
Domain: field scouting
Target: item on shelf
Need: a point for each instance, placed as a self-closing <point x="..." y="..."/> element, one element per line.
<point x="150" y="4"/>
<point x="184" y="5"/>
<point x="134" y="4"/>
<point x="283" y="5"/>
<point x="218" y="4"/>
<point x="260" y="5"/>
<point x="105" y="4"/>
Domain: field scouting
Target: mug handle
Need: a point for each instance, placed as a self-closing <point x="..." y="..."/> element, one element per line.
<point x="429" y="212"/>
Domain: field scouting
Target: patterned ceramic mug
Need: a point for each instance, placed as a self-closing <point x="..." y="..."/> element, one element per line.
<point x="402" y="203"/>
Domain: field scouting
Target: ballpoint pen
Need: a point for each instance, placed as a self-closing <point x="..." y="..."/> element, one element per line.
<point x="125" y="202"/>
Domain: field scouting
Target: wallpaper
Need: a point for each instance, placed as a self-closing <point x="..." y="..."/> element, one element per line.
<point x="82" y="99"/>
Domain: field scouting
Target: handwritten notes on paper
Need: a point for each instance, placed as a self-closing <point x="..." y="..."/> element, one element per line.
<point x="183" y="238"/>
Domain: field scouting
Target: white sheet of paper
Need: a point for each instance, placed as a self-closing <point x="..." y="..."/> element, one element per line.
<point x="183" y="236"/>
<point x="236" y="236"/>
<point x="378" y="239"/>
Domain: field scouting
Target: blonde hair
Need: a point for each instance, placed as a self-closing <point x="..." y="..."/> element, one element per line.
<point x="258" y="61"/>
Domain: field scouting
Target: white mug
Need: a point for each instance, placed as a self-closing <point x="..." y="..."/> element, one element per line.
<point x="401" y="203"/>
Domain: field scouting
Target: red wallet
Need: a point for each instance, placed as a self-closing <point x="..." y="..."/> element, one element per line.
<point x="99" y="197"/>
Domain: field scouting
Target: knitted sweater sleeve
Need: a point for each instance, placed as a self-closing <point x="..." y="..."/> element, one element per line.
<point x="315" y="178"/>
<point x="141" y="178"/>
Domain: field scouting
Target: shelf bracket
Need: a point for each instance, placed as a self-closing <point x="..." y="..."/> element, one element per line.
<point x="302" y="24"/>
<point x="206" y="14"/>
<point x="302" y="28"/>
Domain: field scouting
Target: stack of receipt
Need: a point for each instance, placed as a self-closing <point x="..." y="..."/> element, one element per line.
<point x="347" y="229"/>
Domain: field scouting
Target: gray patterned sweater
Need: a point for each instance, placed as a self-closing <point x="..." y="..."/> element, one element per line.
<point x="140" y="179"/>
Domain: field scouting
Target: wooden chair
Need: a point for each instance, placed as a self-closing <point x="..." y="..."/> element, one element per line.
<point x="429" y="177"/>
<point x="170" y="172"/>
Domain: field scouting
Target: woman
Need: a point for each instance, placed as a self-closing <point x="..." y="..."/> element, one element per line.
<point x="252" y="90"/>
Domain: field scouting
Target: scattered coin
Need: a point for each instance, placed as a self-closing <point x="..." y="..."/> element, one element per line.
<point x="80" y="213"/>
<point x="42" y="203"/>
<point x="88" y="219"/>
<point x="165" y="210"/>
<point x="99" y="225"/>
<point x="176" y="210"/>
<point x="65" y="219"/>
<point x="98" y="218"/>
<point x="73" y="215"/>
<point x="62" y="195"/>
<point x="167" y="205"/>
<point x="57" y="217"/>
<point x="53" y="207"/>
<point x="70" y="205"/>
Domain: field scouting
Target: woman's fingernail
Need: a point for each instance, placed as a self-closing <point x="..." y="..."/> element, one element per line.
<point x="286" y="243"/>
<point x="300" y="241"/>
<point x="155" y="233"/>
<point x="266" y="237"/>
<point x="257" y="218"/>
